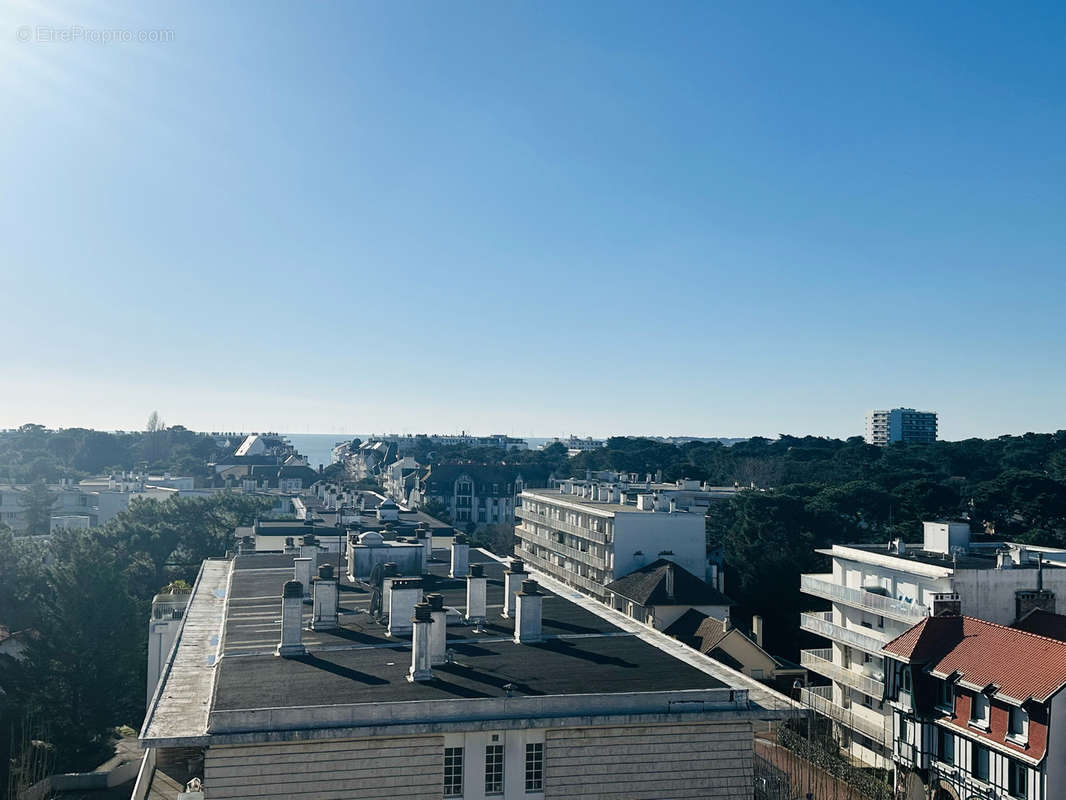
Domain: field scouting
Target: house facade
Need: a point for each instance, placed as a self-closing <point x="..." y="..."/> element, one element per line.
<point x="977" y="711"/>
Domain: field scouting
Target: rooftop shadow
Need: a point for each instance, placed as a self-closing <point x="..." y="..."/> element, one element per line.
<point x="336" y="669"/>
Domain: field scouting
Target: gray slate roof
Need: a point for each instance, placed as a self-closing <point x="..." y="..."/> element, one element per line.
<point x="647" y="587"/>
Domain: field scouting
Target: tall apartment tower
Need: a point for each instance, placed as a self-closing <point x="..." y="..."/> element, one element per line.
<point x="900" y="425"/>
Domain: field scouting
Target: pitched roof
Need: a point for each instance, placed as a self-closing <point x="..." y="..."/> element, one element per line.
<point x="1021" y="665"/>
<point x="647" y="586"/>
<point x="1043" y="623"/>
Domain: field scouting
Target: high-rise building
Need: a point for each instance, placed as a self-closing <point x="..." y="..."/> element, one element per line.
<point x="900" y="425"/>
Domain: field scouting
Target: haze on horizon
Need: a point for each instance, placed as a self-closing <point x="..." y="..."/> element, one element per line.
<point x="538" y="219"/>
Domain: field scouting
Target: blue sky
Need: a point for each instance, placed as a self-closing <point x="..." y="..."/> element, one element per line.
<point x="537" y="218"/>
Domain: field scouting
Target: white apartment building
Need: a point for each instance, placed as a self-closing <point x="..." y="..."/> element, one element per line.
<point x="168" y="609"/>
<point x="265" y="695"/>
<point x="900" y="425"/>
<point x="588" y="535"/>
<point x="878" y="592"/>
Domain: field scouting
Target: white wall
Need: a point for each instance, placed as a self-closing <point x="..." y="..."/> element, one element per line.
<point x="683" y="533"/>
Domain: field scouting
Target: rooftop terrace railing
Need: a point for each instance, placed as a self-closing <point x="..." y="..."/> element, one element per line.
<point x="824" y="586"/>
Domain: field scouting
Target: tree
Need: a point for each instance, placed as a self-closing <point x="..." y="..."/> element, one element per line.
<point x="82" y="671"/>
<point x="498" y="539"/>
<point x="37" y="502"/>
<point x="154" y="423"/>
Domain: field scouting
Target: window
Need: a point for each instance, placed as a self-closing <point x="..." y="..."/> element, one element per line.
<point x="980" y="762"/>
<point x="1019" y="725"/>
<point x="905" y="679"/>
<point x="535" y="767"/>
<point x="453" y="772"/>
<point x="1017" y="779"/>
<point x="494" y="769"/>
<point x="946" y="697"/>
<point x="945" y="746"/>
<point x="979" y="710"/>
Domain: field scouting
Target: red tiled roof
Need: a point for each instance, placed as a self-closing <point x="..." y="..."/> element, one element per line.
<point x="1020" y="664"/>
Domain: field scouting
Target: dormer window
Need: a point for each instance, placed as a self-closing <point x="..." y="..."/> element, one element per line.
<point x="979" y="711"/>
<point x="1019" y="726"/>
<point x="905" y="679"/>
<point x="946" y="698"/>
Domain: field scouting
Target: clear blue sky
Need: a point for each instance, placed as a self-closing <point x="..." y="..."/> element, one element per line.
<point x="724" y="218"/>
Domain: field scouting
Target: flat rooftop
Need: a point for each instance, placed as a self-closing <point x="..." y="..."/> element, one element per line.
<point x="227" y="664"/>
<point x="556" y="496"/>
<point x="980" y="555"/>
<point x="360" y="663"/>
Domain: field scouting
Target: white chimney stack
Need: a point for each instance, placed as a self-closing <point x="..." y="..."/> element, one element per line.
<point x="404" y="595"/>
<point x="292" y="609"/>
<point x="324" y="600"/>
<point x="460" y="557"/>
<point x="438" y="633"/>
<point x="756" y="629"/>
<point x="512" y="582"/>
<point x="421" y="622"/>
<point x="475" y="593"/>
<point x="301" y="571"/>
<point x="425" y="538"/>
<point x="528" y="613"/>
<point x="309" y="549"/>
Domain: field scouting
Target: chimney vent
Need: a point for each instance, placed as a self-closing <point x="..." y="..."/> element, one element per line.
<point x="756" y="629"/>
<point x="292" y="610"/>
<point x="528" y="613"/>
<point x="512" y="582"/>
<point x="438" y="634"/>
<point x="324" y="600"/>
<point x="302" y="571"/>
<point x="460" y="557"/>
<point x="475" y="594"/>
<point x="425" y="538"/>
<point x="947" y="604"/>
<point x="421" y="664"/>
<point x="670" y="580"/>
<point x="404" y="594"/>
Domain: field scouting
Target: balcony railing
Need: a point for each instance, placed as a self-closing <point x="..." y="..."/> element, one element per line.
<point x="821" y="661"/>
<point x="820" y="699"/>
<point x="821" y="623"/>
<point x="523" y="512"/>
<point x="823" y="586"/>
<point x="560" y="574"/>
<point x="586" y="557"/>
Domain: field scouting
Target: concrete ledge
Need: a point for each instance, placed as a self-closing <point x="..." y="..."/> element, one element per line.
<point x="463" y="726"/>
<point x="467" y="709"/>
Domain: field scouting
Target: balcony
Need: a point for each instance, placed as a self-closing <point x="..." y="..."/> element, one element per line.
<point x="820" y="699"/>
<point x="821" y="661"/>
<point x="586" y="557"/>
<point x="823" y="586"/>
<point x="561" y="574"/>
<point x="821" y="623"/>
<point x="557" y="524"/>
